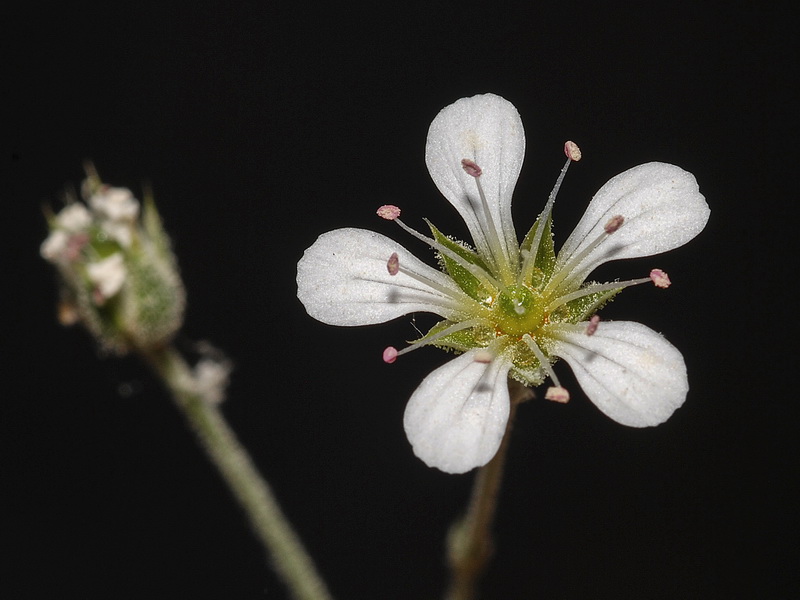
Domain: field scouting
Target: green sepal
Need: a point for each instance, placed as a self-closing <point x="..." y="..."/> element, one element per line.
<point x="153" y="227"/>
<point x="580" y="309"/>
<point x="465" y="280"/>
<point x="545" y="260"/>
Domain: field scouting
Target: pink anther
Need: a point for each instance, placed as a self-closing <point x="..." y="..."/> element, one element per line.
<point x="389" y="212"/>
<point x="572" y="151"/>
<point x="390" y="355"/>
<point x="614" y="223"/>
<point x="660" y="278"/>
<point x="393" y="266"/>
<point x="592" y="326"/>
<point x="471" y="167"/>
<point x="557" y="394"/>
<point x="483" y="356"/>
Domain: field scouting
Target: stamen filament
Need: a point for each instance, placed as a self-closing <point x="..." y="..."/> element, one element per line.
<point x="541" y="358"/>
<point x="593" y="289"/>
<point x="496" y="247"/>
<point x="530" y="259"/>
<point x="437" y="336"/>
<point x="490" y="283"/>
<point x="574" y="261"/>
<point x="457" y="296"/>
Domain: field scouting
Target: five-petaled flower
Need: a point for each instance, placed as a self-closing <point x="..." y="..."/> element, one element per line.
<point x="510" y="309"/>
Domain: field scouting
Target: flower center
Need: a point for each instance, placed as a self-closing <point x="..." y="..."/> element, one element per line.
<point x="519" y="310"/>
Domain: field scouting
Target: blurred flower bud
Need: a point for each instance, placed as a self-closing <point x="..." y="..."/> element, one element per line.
<point x="117" y="272"/>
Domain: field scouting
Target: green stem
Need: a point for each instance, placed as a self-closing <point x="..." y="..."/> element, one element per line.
<point x="289" y="558"/>
<point x="470" y="545"/>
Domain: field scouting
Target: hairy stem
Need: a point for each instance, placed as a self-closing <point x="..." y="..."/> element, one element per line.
<point x="285" y="551"/>
<point x="469" y="543"/>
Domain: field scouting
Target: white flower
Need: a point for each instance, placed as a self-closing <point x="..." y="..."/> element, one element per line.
<point x="512" y="308"/>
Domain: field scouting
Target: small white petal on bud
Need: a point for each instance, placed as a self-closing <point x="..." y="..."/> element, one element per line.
<point x="74" y="217"/>
<point x="393" y="266"/>
<point x="593" y="323"/>
<point x="660" y="278"/>
<point x="390" y="355"/>
<point x="557" y="394"/>
<point x="388" y="212"/>
<point x="54" y="246"/>
<point x="107" y="275"/>
<point x="572" y="151"/>
<point x="211" y="379"/>
<point x="614" y="223"/>
<point x="483" y="356"/>
<point x="471" y="167"/>
<point x="115" y="204"/>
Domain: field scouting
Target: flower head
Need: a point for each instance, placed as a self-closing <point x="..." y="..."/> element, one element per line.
<point x="118" y="275"/>
<point x="511" y="309"/>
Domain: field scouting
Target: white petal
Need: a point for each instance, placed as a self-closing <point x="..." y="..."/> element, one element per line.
<point x="488" y="130"/>
<point x="456" y="418"/>
<point x="663" y="209"/>
<point x="629" y="371"/>
<point x="342" y="279"/>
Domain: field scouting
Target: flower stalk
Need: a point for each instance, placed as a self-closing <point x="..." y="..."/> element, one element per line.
<point x="286" y="552"/>
<point x="470" y="545"/>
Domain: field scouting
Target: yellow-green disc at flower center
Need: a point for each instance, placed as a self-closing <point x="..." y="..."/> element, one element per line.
<point x="519" y="310"/>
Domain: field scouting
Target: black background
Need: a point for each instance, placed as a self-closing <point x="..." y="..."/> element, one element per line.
<point x="261" y="126"/>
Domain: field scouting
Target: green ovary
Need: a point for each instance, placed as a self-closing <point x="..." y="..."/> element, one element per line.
<point x="519" y="310"/>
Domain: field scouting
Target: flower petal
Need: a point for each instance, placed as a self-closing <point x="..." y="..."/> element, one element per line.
<point x="456" y="418"/>
<point x="342" y="279"/>
<point x="663" y="209"/>
<point x="629" y="371"/>
<point x="486" y="129"/>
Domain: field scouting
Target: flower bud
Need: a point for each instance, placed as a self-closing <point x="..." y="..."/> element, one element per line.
<point x="118" y="275"/>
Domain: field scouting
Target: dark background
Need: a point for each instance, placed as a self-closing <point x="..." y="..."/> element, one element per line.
<point x="260" y="127"/>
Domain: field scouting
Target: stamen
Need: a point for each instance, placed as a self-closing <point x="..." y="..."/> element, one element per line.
<point x="572" y="151"/>
<point x="530" y="258"/>
<point x="612" y="226"/>
<point x="593" y="288"/>
<point x="557" y="394"/>
<point x="541" y="358"/>
<point x="592" y="327"/>
<point x="489" y="282"/>
<point x="388" y="212"/>
<point x="660" y="278"/>
<point x="390" y="355"/>
<point x="393" y="266"/>
<point x="499" y="252"/>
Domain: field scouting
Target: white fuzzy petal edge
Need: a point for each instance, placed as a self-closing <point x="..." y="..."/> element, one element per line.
<point x="456" y="418"/>
<point x="629" y="371"/>
<point x="342" y="279"/>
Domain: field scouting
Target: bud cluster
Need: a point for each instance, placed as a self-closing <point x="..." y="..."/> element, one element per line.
<point x="117" y="273"/>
